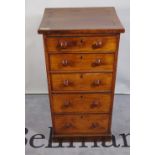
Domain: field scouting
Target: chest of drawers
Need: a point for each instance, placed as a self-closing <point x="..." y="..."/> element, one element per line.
<point x="81" y="48"/>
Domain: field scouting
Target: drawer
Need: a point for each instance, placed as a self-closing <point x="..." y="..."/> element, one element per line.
<point x="81" y="62"/>
<point x="86" y="124"/>
<point x="85" y="44"/>
<point x="82" y="81"/>
<point x="76" y="103"/>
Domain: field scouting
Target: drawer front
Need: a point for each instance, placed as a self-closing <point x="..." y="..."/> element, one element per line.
<point x="78" y="62"/>
<point x="71" y="124"/>
<point x="74" y="103"/>
<point x="82" y="82"/>
<point x="85" y="44"/>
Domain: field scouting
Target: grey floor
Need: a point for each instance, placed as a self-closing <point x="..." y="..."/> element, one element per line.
<point x="38" y="122"/>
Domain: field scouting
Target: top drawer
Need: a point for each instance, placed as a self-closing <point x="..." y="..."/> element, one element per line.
<point x="81" y="44"/>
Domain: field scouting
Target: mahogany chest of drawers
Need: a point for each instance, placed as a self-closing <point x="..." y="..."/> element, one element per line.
<point x="81" y="48"/>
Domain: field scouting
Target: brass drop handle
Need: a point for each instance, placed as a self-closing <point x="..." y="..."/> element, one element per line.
<point x="94" y="125"/>
<point x="63" y="44"/>
<point x="68" y="125"/>
<point x="97" y="82"/>
<point x="66" y="104"/>
<point x="97" y="44"/>
<point x="65" y="62"/>
<point x="66" y="82"/>
<point x="94" y="104"/>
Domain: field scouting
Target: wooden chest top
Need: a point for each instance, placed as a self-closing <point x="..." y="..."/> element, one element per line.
<point x="80" y="20"/>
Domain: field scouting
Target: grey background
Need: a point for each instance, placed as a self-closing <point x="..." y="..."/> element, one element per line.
<point x="35" y="64"/>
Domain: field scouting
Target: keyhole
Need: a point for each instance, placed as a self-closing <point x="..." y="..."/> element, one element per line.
<point x="81" y="97"/>
<point x="81" y="76"/>
<point x="81" y="41"/>
<point x="81" y="57"/>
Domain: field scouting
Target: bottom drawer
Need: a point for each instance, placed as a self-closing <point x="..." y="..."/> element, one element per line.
<point x="84" y="124"/>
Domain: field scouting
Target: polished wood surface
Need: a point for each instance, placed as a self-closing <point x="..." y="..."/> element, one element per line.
<point x="83" y="81"/>
<point x="81" y="62"/>
<point x="81" y="103"/>
<point x="80" y="20"/>
<point x="85" y="44"/>
<point x="72" y="124"/>
<point x="81" y="51"/>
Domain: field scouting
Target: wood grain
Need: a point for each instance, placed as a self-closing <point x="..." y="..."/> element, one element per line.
<point x="82" y="82"/>
<point x="81" y="103"/>
<point x="81" y="51"/>
<point x="81" y="62"/>
<point x="72" y="124"/>
<point x="80" y="20"/>
<point x="85" y="44"/>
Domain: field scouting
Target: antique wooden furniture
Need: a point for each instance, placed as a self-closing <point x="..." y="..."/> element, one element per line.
<point x="81" y="47"/>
